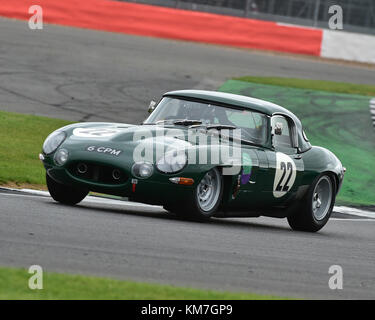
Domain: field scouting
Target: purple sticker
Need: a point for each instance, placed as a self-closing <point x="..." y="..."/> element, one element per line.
<point x="245" y="178"/>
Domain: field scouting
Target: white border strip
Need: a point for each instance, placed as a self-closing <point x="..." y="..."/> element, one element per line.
<point x="353" y="220"/>
<point x="101" y="200"/>
<point x="88" y="199"/>
<point x="337" y="44"/>
<point x="372" y="111"/>
<point x="355" y="212"/>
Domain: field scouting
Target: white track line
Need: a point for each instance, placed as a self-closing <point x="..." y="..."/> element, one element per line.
<point x="355" y="212"/>
<point x="372" y="110"/>
<point x="352" y="220"/>
<point x="88" y="199"/>
<point x="100" y="200"/>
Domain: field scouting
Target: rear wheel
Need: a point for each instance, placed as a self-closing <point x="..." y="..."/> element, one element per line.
<point x="317" y="206"/>
<point x="65" y="194"/>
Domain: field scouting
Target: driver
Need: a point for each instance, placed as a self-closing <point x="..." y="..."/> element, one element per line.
<point x="221" y="116"/>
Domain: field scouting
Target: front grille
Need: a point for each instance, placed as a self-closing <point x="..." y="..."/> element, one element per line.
<point x="98" y="173"/>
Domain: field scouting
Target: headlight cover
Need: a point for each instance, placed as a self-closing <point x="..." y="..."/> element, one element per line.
<point x="53" y="141"/>
<point x="61" y="157"/>
<point x="172" y="161"/>
<point x="142" y="170"/>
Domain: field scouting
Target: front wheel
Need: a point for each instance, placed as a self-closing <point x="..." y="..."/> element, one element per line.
<point x="205" y="198"/>
<point x="317" y="207"/>
<point x="65" y="194"/>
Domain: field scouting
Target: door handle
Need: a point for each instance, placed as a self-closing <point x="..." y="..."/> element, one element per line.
<point x="297" y="157"/>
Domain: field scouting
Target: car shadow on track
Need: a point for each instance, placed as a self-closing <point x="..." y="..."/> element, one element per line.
<point x="239" y="223"/>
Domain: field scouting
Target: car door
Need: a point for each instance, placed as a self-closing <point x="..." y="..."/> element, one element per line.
<point x="254" y="127"/>
<point x="281" y="180"/>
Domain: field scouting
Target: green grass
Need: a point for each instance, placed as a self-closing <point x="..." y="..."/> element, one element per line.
<point x="21" y="140"/>
<point x="14" y="285"/>
<point x="333" y="117"/>
<point x="320" y="85"/>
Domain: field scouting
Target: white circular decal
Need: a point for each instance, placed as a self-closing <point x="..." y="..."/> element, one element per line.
<point x="285" y="175"/>
<point x="95" y="132"/>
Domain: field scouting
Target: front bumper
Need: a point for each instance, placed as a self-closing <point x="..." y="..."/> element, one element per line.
<point x="154" y="190"/>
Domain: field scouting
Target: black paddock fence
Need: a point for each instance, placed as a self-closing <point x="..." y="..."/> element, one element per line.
<point x="358" y="15"/>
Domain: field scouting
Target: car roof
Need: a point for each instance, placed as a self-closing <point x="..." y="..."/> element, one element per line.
<point x="232" y="99"/>
<point x="250" y="103"/>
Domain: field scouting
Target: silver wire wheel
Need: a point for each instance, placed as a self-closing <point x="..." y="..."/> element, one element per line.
<point x="322" y="198"/>
<point x="209" y="190"/>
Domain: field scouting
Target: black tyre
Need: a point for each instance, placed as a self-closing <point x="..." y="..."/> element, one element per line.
<point x="317" y="206"/>
<point x="65" y="194"/>
<point x="205" y="198"/>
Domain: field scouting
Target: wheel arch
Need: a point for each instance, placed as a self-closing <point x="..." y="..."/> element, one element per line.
<point x="334" y="178"/>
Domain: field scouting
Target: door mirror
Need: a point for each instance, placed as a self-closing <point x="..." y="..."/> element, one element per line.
<point x="152" y="106"/>
<point x="278" y="128"/>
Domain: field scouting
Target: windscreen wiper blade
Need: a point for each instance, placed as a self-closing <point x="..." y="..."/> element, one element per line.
<point x="187" y="122"/>
<point x="162" y="121"/>
<point x="221" y="126"/>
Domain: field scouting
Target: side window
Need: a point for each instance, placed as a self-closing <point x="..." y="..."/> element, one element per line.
<point x="282" y="138"/>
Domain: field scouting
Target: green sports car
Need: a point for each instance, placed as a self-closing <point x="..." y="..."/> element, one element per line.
<point x="200" y="154"/>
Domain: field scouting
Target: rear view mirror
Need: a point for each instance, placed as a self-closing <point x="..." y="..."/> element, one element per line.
<point x="278" y="128"/>
<point x="152" y="106"/>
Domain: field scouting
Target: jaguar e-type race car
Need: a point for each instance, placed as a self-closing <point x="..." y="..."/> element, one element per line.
<point x="200" y="154"/>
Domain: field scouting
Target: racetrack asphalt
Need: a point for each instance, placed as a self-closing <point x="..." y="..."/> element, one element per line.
<point x="144" y="243"/>
<point x="86" y="75"/>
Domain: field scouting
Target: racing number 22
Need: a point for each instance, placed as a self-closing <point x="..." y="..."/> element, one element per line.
<point x="285" y="167"/>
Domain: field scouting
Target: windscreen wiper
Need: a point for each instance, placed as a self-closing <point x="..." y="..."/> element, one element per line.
<point x="221" y="126"/>
<point x="163" y="121"/>
<point x="187" y="122"/>
<point x="183" y="122"/>
<point x="213" y="126"/>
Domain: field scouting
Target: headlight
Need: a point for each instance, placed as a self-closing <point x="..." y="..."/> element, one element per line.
<point x="53" y="141"/>
<point x="172" y="161"/>
<point x="142" y="169"/>
<point x="61" y="157"/>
